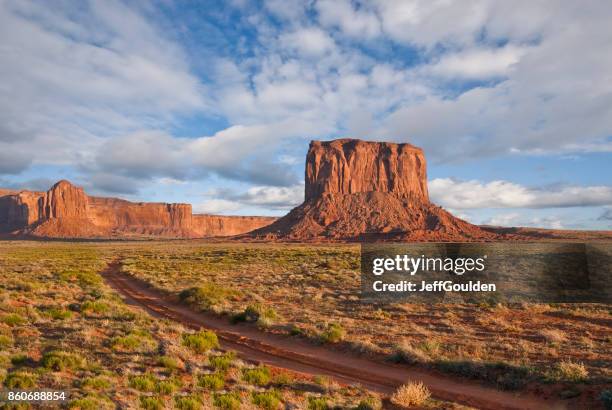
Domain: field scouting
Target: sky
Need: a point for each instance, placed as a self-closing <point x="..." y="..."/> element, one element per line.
<point x="214" y="102"/>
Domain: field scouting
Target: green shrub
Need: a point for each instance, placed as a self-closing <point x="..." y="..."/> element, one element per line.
<point x="259" y="376"/>
<point x="264" y="316"/>
<point x="269" y="400"/>
<point x="88" y="279"/>
<point x="59" y="361"/>
<point x="96" y="383"/>
<point x="59" y="314"/>
<point x="133" y="342"/>
<point x="13" y="319"/>
<point x="167" y="386"/>
<point x="19" y="359"/>
<point x="222" y="362"/>
<point x="20" y="380"/>
<point x="201" y="342"/>
<point x="206" y="296"/>
<point x="167" y="362"/>
<point x="187" y="402"/>
<point x="334" y="333"/>
<point x="144" y="382"/>
<point x="317" y="403"/>
<point x="151" y="403"/>
<point x="211" y="381"/>
<point x="227" y="401"/>
<point x="5" y="342"/>
<point x="94" y="306"/>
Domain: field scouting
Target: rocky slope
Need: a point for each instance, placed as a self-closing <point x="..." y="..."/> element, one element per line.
<point x="66" y="211"/>
<point x="359" y="190"/>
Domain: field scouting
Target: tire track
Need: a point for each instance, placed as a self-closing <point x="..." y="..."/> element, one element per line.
<point x="297" y="355"/>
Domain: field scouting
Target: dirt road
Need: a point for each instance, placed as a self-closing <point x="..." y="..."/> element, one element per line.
<point x="298" y="355"/>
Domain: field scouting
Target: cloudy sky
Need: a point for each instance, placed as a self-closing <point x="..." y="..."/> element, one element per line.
<point x="214" y="102"/>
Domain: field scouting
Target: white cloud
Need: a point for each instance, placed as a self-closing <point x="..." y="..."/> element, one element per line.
<point x="517" y="219"/>
<point x="311" y="41"/>
<point x="216" y="206"/>
<point x="351" y="21"/>
<point x="273" y="197"/>
<point x="503" y="194"/>
<point x="477" y="63"/>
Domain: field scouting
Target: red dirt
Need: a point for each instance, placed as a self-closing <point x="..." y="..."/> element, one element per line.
<point x="297" y="355"/>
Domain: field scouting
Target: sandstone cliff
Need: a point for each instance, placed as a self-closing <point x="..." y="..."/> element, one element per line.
<point x="65" y="211"/>
<point x="358" y="190"/>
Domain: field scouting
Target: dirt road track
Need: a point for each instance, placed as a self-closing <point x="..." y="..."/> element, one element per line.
<point x="297" y="355"/>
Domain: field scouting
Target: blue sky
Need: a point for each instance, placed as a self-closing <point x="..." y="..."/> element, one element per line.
<point x="214" y="103"/>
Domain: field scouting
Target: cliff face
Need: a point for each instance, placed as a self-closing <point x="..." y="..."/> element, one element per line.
<point x="349" y="166"/>
<point x="65" y="211"/>
<point x="368" y="190"/>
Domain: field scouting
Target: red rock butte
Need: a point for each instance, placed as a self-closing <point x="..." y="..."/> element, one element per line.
<point x="65" y="211"/>
<point x="358" y="189"/>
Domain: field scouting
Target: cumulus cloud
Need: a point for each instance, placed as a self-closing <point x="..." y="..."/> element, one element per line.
<point x="503" y="194"/>
<point x="216" y="206"/>
<point x="517" y="219"/>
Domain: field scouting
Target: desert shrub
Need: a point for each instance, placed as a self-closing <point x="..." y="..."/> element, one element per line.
<point x="411" y="394"/>
<point x="283" y="379"/>
<point x="334" y="333"/>
<point x="94" y="306"/>
<point x="569" y="371"/>
<point x="201" y="342"/>
<point x="606" y="399"/>
<point x="318" y="403"/>
<point x="133" y="342"/>
<point x="187" y="402"/>
<point x="222" y="362"/>
<point x="92" y="402"/>
<point x="19" y="359"/>
<point x="206" y="296"/>
<point x="151" y="403"/>
<point x="13" y="319"/>
<point x="259" y="376"/>
<point x="269" y="400"/>
<point x="227" y="401"/>
<point x="143" y="382"/>
<point x="167" y="362"/>
<point x="211" y="381"/>
<point x="5" y="342"/>
<point x="370" y="403"/>
<point x="406" y="353"/>
<point x="59" y="361"/>
<point x="96" y="383"/>
<point x="168" y="386"/>
<point x="88" y="279"/>
<point x="20" y="380"/>
<point x="257" y="313"/>
<point x="505" y="375"/>
<point x="59" y="314"/>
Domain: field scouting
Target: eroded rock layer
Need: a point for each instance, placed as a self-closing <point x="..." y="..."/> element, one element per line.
<point x="368" y="190"/>
<point x="65" y="211"/>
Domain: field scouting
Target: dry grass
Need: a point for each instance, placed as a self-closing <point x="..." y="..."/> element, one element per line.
<point x="411" y="394"/>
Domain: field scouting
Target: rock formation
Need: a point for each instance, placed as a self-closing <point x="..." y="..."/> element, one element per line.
<point x="65" y="211"/>
<point x="359" y="190"/>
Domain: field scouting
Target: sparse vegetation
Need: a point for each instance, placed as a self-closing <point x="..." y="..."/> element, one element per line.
<point x="211" y="381"/>
<point x="333" y="333"/>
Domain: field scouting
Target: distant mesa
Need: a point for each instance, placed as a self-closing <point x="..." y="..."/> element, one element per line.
<point x="66" y="211"/>
<point x="358" y="189"/>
